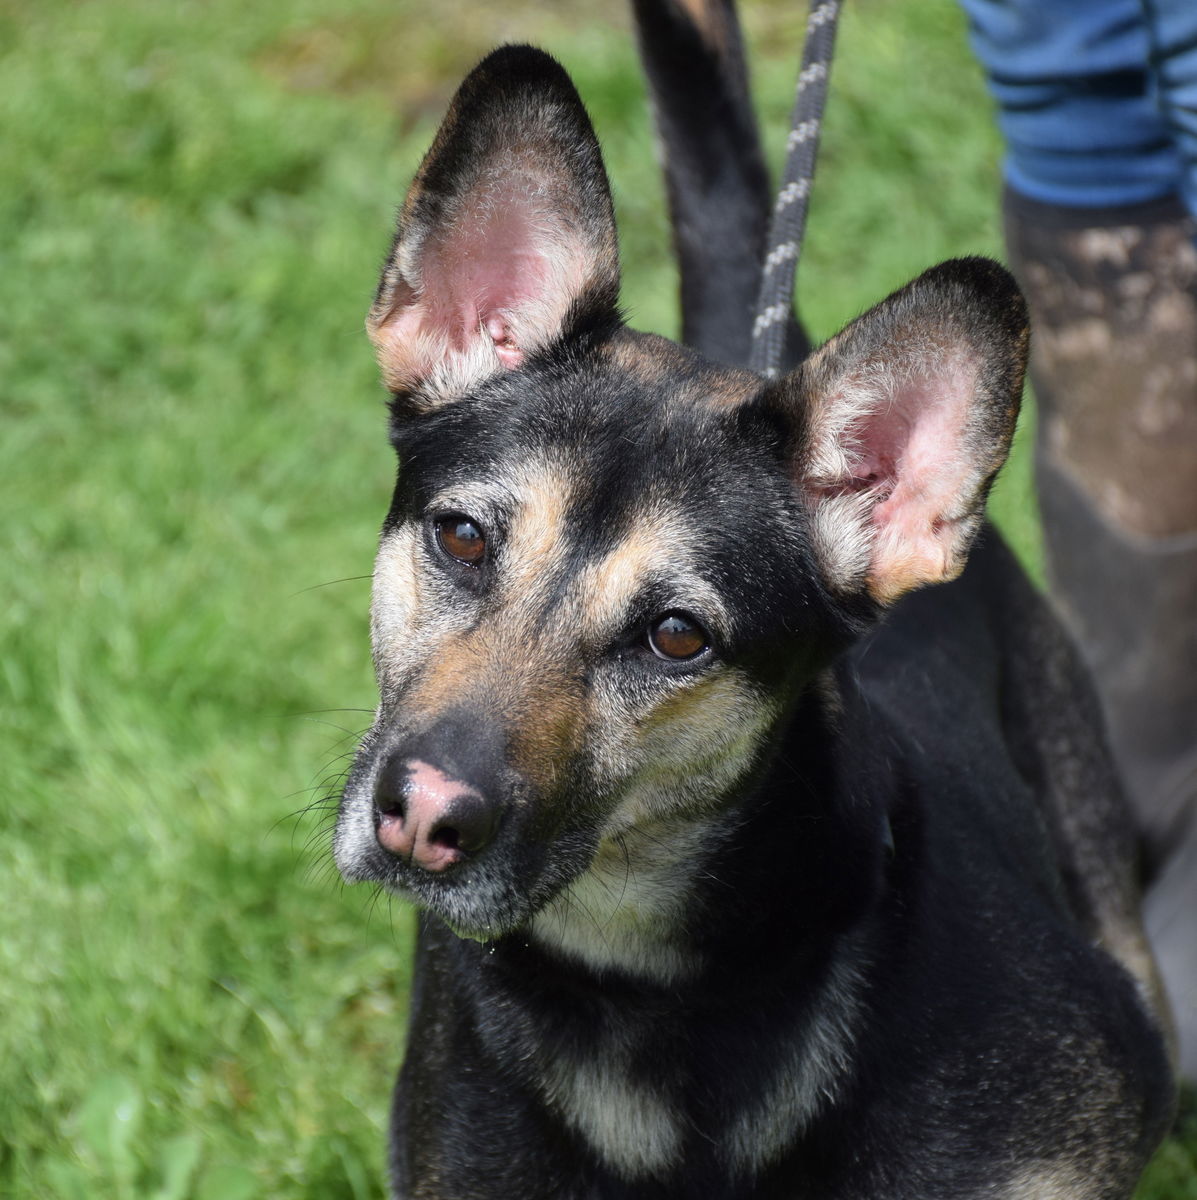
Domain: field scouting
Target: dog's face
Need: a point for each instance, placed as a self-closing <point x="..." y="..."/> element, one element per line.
<point x="610" y="565"/>
<point x="593" y="589"/>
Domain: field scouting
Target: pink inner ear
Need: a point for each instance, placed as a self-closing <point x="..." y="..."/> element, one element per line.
<point x="492" y="287"/>
<point x="879" y="442"/>
<point x="499" y="332"/>
<point x="907" y="450"/>
<point x="490" y="276"/>
<point x="920" y="444"/>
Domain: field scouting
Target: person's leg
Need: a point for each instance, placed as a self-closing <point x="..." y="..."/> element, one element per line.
<point x="1103" y="245"/>
<point x="1114" y="303"/>
<point x="1172" y="38"/>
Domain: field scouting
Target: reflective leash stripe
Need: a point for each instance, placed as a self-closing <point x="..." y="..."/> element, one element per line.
<point x="776" y="296"/>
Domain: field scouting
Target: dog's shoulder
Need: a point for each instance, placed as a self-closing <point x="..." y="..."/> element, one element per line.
<point x="1011" y="874"/>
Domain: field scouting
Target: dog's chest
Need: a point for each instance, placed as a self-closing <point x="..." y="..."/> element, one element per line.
<point x="651" y="1088"/>
<point x="633" y="1121"/>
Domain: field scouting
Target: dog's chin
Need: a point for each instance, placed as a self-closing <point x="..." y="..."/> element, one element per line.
<point x="482" y="900"/>
<point x="477" y="907"/>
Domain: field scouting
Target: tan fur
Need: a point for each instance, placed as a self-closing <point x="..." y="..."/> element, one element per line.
<point x="517" y="667"/>
<point x="626" y="912"/>
<point x="661" y="540"/>
<point x="684" y="755"/>
<point x="810" y="1075"/>
<point x="457" y="670"/>
<point x="508" y="671"/>
<point x="711" y="20"/>
<point x="551" y="725"/>
<point x="1048" y="1181"/>
<point x="627" y="1122"/>
<point x="398" y="601"/>
<point x="541" y="491"/>
<point x="661" y="365"/>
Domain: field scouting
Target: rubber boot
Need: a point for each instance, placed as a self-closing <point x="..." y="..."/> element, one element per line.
<point x="1113" y="299"/>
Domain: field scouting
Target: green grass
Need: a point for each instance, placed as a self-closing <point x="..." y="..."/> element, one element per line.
<point x="194" y="204"/>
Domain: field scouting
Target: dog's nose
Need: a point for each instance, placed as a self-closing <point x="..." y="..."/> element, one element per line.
<point x="429" y="818"/>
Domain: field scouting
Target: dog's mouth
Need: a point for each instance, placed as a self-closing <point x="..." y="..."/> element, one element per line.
<point x="477" y="866"/>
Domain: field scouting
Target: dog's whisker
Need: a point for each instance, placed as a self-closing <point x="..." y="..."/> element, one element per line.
<point x="328" y="583"/>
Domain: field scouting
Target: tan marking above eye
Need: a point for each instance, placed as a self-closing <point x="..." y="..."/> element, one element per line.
<point x="461" y="538"/>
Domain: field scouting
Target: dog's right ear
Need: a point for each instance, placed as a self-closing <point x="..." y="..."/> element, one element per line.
<point x="903" y="419"/>
<point x="506" y="241"/>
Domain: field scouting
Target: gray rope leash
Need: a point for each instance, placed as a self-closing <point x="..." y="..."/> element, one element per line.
<point x="776" y="297"/>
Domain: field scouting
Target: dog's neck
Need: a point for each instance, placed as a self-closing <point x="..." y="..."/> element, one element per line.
<point x="672" y="936"/>
<point x="666" y="901"/>
<point x="628" y="912"/>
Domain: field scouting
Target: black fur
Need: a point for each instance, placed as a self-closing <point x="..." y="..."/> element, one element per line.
<point x="715" y="173"/>
<point x="907" y="962"/>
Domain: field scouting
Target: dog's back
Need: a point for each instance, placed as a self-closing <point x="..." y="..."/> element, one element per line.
<point x="977" y="704"/>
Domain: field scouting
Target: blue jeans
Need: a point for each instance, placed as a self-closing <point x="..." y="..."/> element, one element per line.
<point x="1097" y="98"/>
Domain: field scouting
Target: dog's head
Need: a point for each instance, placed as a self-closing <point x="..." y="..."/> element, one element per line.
<point x="609" y="564"/>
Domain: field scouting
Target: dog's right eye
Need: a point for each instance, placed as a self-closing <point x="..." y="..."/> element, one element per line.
<point x="461" y="538"/>
<point x="677" y="636"/>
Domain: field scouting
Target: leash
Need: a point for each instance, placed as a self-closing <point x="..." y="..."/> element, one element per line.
<point x="776" y="297"/>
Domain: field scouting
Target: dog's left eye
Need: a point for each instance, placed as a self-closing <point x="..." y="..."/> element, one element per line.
<point x="677" y="636"/>
<point x="461" y="538"/>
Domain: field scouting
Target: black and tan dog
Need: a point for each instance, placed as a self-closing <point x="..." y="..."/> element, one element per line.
<point x="741" y="876"/>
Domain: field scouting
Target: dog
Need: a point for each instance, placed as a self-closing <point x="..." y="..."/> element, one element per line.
<point x="750" y="865"/>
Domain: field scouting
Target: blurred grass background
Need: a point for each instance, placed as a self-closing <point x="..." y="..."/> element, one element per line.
<point x="194" y="201"/>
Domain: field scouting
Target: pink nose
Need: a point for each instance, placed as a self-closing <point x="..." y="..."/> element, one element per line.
<point x="429" y="818"/>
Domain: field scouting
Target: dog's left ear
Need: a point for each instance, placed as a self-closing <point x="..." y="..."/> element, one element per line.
<point x="901" y="423"/>
<point x="506" y="240"/>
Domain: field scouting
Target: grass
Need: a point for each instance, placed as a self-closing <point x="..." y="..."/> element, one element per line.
<point x="196" y="198"/>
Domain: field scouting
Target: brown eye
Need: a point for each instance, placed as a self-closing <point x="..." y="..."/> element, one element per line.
<point x="676" y="636"/>
<point x="461" y="539"/>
